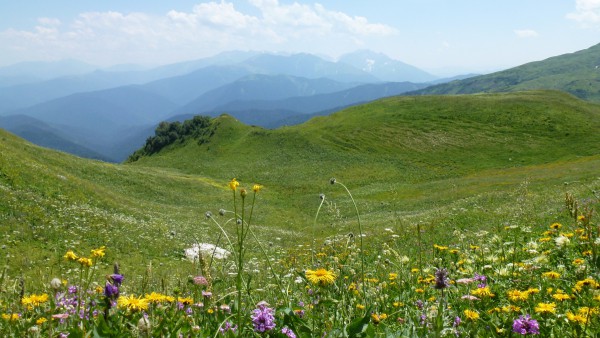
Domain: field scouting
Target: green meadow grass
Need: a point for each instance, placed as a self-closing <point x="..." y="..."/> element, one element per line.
<point x="421" y="170"/>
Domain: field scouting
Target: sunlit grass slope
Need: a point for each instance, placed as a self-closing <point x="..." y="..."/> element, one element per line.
<point x="406" y="153"/>
<point x="470" y="162"/>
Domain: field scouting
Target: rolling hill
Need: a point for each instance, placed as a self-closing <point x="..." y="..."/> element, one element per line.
<point x="576" y="73"/>
<point x="442" y="161"/>
<point x="385" y="68"/>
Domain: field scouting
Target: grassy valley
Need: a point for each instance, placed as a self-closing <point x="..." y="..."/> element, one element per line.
<point x="424" y="171"/>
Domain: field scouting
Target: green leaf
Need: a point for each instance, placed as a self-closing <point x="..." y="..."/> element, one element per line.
<point x="358" y="327"/>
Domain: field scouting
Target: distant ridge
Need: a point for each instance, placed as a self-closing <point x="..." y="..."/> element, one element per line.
<point x="576" y="73"/>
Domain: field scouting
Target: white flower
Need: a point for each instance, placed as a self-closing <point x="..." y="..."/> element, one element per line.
<point x="206" y="249"/>
<point x="562" y="241"/>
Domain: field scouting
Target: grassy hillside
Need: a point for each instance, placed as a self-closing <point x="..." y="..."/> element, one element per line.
<point x="464" y="162"/>
<point x="576" y="73"/>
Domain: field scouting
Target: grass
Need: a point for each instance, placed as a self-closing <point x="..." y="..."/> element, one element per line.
<point x="464" y="165"/>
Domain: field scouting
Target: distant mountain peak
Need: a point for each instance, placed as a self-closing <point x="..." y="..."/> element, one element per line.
<point x="384" y="67"/>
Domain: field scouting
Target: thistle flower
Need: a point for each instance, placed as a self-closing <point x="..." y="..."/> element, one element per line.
<point x="441" y="279"/>
<point x="525" y="325"/>
<point x="200" y="280"/>
<point x="262" y="318"/>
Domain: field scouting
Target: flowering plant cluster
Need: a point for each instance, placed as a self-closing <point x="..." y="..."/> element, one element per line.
<point x="519" y="281"/>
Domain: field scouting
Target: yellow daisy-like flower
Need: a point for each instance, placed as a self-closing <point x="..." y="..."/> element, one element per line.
<point x="155" y="297"/>
<point x="483" y="292"/>
<point x="98" y="252"/>
<point x="11" y="316"/>
<point x="392" y="276"/>
<point x="510" y="308"/>
<point x="556" y="226"/>
<point x="516" y="295"/>
<point x="70" y="255"/>
<point x="85" y="261"/>
<point x="551" y="275"/>
<point x="440" y="247"/>
<point x="34" y="300"/>
<point x="132" y="303"/>
<point x="377" y="318"/>
<point x="546" y="308"/>
<point x="561" y="295"/>
<point x="233" y="184"/>
<point x="41" y="321"/>
<point x="320" y="276"/>
<point x="544" y="239"/>
<point x="588" y="282"/>
<point x="578" y="261"/>
<point x="185" y="300"/>
<point x="256" y="188"/>
<point x="471" y="315"/>
<point x="360" y="306"/>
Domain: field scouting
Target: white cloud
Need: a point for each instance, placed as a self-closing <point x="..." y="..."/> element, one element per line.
<point x="586" y="12"/>
<point x="210" y="27"/>
<point x="526" y="33"/>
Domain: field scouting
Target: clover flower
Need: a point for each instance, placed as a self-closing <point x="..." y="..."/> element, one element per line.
<point x="262" y="318"/>
<point x="525" y="325"/>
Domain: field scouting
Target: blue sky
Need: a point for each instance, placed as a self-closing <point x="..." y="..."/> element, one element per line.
<point x="441" y="36"/>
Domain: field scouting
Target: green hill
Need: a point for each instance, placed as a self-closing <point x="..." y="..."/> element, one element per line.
<point x="576" y="73"/>
<point x="471" y="162"/>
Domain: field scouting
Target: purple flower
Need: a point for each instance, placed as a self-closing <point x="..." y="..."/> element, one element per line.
<point x="441" y="279"/>
<point x="111" y="291"/>
<point x="227" y="327"/>
<point x="117" y="279"/>
<point x="525" y="325"/>
<point x="480" y="278"/>
<point x="206" y="294"/>
<point x="419" y="304"/>
<point x="288" y="332"/>
<point x="200" y="280"/>
<point x="72" y="289"/>
<point x="262" y="318"/>
<point x="456" y="321"/>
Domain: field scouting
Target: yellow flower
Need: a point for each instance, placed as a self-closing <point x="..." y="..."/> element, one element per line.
<point x="155" y="297"/>
<point x="510" y="308"/>
<point x="233" y="184"/>
<point x="132" y="303"/>
<point x="256" y="188"/>
<point x="581" y="218"/>
<point x="320" y="276"/>
<point x="419" y="291"/>
<point x="556" y="226"/>
<point x="560" y="295"/>
<point x="185" y="301"/>
<point x="98" y="252"/>
<point x="546" y="308"/>
<point x="589" y="282"/>
<point x="70" y="255"/>
<point x="377" y="318"/>
<point x="41" y="321"/>
<point x="440" y="247"/>
<point x="34" y="300"/>
<point x="551" y="275"/>
<point x="516" y="295"/>
<point x="398" y="304"/>
<point x="471" y="315"/>
<point x="360" y="306"/>
<point x="11" y="317"/>
<point x="544" y="239"/>
<point x="473" y="247"/>
<point x="393" y="276"/>
<point x="414" y="270"/>
<point x="85" y="261"/>
<point x="482" y="292"/>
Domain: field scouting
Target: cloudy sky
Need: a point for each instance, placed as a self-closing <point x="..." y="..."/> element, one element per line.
<point x="441" y="36"/>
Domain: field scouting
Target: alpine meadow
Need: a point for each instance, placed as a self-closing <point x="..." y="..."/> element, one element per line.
<point x="461" y="209"/>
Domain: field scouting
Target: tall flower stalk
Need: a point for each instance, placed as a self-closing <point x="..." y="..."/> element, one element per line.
<point x="242" y="230"/>
<point x="360" y="235"/>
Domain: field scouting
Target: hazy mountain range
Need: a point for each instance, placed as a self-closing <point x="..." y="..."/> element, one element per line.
<point x="109" y="113"/>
